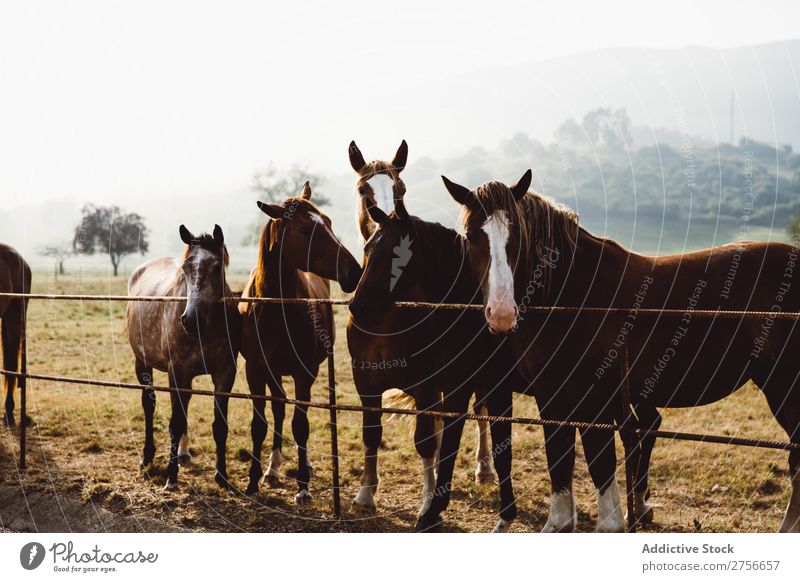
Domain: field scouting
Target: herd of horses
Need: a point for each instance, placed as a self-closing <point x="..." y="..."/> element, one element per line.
<point x="515" y="250"/>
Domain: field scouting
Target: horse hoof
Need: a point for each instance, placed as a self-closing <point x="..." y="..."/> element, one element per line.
<point x="145" y="466"/>
<point x="271" y="478"/>
<point x="428" y="525"/>
<point x="171" y="485"/>
<point x="558" y="528"/>
<point x="252" y="489"/>
<point x="224" y="482"/>
<point x="502" y="525"/>
<point x="8" y="420"/>
<point x="184" y="459"/>
<point x="483" y="477"/>
<point x="645" y="518"/>
<point x="303" y="497"/>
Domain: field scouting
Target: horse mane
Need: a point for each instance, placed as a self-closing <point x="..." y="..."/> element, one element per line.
<point x="270" y="236"/>
<point x="543" y="224"/>
<point x="207" y="242"/>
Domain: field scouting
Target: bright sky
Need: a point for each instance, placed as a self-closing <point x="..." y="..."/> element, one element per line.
<point x="108" y="99"/>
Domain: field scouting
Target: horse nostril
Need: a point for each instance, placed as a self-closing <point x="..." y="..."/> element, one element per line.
<point x="488" y="312"/>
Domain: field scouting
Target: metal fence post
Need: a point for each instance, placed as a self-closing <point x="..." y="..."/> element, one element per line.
<point x="629" y="442"/>
<point x="23" y="397"/>
<point x="337" y="504"/>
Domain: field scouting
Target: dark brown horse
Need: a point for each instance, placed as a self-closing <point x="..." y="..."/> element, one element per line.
<point x="298" y="252"/>
<point x="527" y="251"/>
<point x="385" y="349"/>
<point x="453" y="347"/>
<point x="185" y="339"/>
<point x="15" y="277"/>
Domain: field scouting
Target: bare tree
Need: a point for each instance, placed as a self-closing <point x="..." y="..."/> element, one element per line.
<point x="59" y="252"/>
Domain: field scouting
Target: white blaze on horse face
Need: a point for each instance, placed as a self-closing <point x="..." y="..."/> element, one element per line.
<point x="383" y="189"/>
<point x="501" y="310"/>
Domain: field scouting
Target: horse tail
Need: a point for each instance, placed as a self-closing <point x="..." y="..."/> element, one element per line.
<point x="394" y="398"/>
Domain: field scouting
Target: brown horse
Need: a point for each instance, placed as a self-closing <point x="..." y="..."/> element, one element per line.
<point x="298" y="252"/>
<point x="454" y="347"/>
<point x="185" y="339"/>
<point x="375" y="343"/>
<point x="529" y="251"/>
<point x="15" y="277"/>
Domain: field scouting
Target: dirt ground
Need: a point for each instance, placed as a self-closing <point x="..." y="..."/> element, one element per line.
<point x="85" y="445"/>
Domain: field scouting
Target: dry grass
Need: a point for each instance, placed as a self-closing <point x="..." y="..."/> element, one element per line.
<point x="86" y="443"/>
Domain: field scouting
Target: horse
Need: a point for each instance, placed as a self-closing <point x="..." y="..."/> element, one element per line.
<point x="15" y="277"/>
<point x="527" y="250"/>
<point x="453" y="346"/>
<point x="185" y="339"/>
<point x="298" y="253"/>
<point x="392" y="339"/>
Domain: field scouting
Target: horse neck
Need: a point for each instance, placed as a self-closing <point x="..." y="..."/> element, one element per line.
<point x="280" y="278"/>
<point x="586" y="269"/>
<point x="445" y="272"/>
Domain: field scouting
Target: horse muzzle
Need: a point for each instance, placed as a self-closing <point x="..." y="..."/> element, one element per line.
<point x="501" y="318"/>
<point x="193" y="325"/>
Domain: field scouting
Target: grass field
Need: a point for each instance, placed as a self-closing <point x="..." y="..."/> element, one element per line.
<point x="86" y="443"/>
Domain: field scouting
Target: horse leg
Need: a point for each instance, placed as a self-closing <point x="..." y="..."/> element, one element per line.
<point x="425" y="442"/>
<point x="273" y="475"/>
<point x="786" y="408"/>
<point x="300" y="432"/>
<point x="598" y="447"/>
<point x="179" y="446"/>
<point x="648" y="419"/>
<point x="559" y="443"/>
<point x="223" y="384"/>
<point x="500" y="404"/>
<point x="256" y="380"/>
<point x="452" y="429"/>
<point x="484" y="472"/>
<point x="372" y="435"/>
<point x="11" y="326"/>
<point x="144" y="374"/>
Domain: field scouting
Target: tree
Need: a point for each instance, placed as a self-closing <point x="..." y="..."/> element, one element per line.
<point x="606" y="127"/>
<point x="106" y="229"/>
<point x="60" y="252"/>
<point x="274" y="185"/>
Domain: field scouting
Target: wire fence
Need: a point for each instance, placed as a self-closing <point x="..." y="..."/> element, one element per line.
<point x="631" y="435"/>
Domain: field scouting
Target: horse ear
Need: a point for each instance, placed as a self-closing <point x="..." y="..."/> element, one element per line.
<point x="306" y="193"/>
<point x="400" y="209"/>
<point x="271" y="210"/>
<point x="186" y="236"/>
<point x="521" y="187"/>
<point x="219" y="238"/>
<point x="376" y="213"/>
<point x="401" y="157"/>
<point x="356" y="159"/>
<point x="459" y="193"/>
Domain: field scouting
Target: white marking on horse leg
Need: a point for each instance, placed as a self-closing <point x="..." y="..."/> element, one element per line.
<point x="383" y="189"/>
<point x="428" y="484"/>
<point x="438" y="427"/>
<point x="365" y="498"/>
<point x="502" y="525"/>
<point x="302" y="497"/>
<point x="501" y="308"/>
<point x="563" y="513"/>
<point x="484" y="472"/>
<point x="641" y="509"/>
<point x="184" y="458"/>
<point x="791" y="519"/>
<point x="273" y="474"/>
<point x="609" y="510"/>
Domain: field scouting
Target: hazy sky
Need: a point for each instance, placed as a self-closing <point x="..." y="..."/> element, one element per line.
<point x="108" y="99"/>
